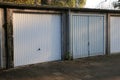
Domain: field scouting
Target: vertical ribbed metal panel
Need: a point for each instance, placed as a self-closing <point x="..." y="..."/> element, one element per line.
<point x="1" y="38"/>
<point x="79" y="36"/>
<point x="96" y="35"/>
<point x="87" y="35"/>
<point x="37" y="38"/>
<point x="115" y="34"/>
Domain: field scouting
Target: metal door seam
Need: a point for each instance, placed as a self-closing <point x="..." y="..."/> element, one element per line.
<point x="88" y="38"/>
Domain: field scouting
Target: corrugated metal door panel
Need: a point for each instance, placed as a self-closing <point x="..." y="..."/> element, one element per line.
<point x="96" y="35"/>
<point x="0" y="38"/>
<point x="37" y="38"/>
<point x="115" y="34"/>
<point x="79" y="36"/>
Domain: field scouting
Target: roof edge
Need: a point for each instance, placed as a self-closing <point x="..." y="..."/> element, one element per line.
<point x="43" y="7"/>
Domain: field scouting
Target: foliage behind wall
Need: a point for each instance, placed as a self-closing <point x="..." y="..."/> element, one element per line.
<point x="60" y="3"/>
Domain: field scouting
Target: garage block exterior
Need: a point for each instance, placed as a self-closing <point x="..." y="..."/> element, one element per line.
<point x="35" y="34"/>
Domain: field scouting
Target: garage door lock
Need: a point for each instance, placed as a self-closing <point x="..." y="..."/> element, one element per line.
<point x="38" y="49"/>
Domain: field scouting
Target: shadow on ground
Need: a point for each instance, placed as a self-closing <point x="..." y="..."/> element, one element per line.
<point x="94" y="68"/>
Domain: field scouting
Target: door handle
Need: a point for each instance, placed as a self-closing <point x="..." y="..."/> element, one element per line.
<point x="38" y="49"/>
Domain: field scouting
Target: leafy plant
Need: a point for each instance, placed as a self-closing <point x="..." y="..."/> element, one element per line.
<point x="71" y="3"/>
<point x="60" y="3"/>
<point x="68" y="56"/>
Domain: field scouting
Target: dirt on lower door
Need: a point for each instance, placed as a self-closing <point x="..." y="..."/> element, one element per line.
<point x="93" y="68"/>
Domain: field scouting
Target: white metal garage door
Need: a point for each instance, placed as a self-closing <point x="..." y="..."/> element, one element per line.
<point x="87" y="35"/>
<point x="37" y="38"/>
<point x="115" y="34"/>
<point x="79" y="36"/>
<point x="96" y="35"/>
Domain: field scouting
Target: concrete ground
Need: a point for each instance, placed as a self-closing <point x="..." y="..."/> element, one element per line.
<point x="94" y="68"/>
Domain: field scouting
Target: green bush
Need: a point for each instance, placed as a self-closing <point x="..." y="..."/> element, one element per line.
<point x="68" y="56"/>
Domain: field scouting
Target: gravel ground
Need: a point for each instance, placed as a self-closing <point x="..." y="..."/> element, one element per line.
<point x="93" y="68"/>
